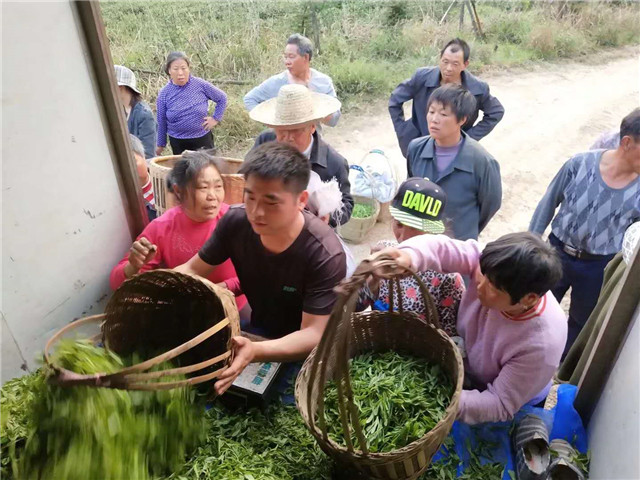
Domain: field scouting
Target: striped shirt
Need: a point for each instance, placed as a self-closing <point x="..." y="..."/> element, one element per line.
<point x="147" y="193"/>
<point x="182" y="109"/>
<point x="593" y="216"/>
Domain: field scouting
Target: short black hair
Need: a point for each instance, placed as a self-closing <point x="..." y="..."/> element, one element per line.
<point x="630" y="125"/>
<point x="521" y="263"/>
<point x="456" y="45"/>
<point x="305" y="46"/>
<point x="172" y="57"/>
<point x="461" y="102"/>
<point x="186" y="170"/>
<point x="274" y="160"/>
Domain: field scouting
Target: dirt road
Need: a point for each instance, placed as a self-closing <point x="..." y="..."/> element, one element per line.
<point x="552" y="112"/>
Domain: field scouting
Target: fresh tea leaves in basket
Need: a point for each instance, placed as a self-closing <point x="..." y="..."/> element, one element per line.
<point x="87" y="432"/>
<point x="360" y="210"/>
<point x="400" y="398"/>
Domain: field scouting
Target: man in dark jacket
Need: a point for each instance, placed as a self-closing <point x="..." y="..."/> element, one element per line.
<point x="293" y="115"/>
<point x="454" y="59"/>
<point x="457" y="163"/>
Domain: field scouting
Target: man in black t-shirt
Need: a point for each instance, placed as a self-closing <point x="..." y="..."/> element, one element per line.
<point x="287" y="259"/>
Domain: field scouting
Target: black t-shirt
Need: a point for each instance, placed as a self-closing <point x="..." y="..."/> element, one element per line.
<point x="280" y="286"/>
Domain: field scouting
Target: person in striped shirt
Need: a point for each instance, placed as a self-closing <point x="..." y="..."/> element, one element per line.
<point x="598" y="193"/>
<point x="143" y="175"/>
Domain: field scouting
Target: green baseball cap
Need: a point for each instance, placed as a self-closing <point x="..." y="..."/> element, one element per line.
<point x="419" y="204"/>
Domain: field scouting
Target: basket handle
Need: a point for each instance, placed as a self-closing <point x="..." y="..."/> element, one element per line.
<point x="383" y="261"/>
<point x="130" y="377"/>
<point x="343" y="309"/>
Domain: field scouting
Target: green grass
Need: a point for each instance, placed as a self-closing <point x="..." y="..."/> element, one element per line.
<point x="367" y="47"/>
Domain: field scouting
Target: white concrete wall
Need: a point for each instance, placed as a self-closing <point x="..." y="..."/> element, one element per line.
<point x="614" y="430"/>
<point x="63" y="222"/>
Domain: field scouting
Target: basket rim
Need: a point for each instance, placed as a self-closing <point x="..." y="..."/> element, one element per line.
<point x="157" y="161"/>
<point x="129" y="376"/>
<point x="411" y="448"/>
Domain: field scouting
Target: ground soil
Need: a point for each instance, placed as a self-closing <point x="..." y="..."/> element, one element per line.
<point x="552" y="112"/>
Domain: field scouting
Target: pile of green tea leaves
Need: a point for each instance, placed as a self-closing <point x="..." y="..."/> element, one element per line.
<point x="399" y="399"/>
<point x="238" y="444"/>
<point x="71" y="433"/>
<point x="360" y="210"/>
<point x="16" y="398"/>
<point x="246" y="445"/>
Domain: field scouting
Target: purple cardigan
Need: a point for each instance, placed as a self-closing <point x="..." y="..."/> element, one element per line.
<point x="181" y="110"/>
<point x="512" y="359"/>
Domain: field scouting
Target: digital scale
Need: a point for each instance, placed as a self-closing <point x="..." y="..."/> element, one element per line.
<point x="255" y="386"/>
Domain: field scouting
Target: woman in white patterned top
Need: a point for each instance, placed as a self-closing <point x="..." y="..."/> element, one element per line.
<point x="416" y="210"/>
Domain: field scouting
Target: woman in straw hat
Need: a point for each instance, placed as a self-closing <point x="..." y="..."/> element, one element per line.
<point x="139" y="116"/>
<point x="292" y="116"/>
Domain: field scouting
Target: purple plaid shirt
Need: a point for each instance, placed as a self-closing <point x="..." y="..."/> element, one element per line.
<point x="181" y="110"/>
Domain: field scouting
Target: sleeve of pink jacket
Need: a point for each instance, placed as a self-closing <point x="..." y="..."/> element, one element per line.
<point x="442" y="254"/>
<point x="233" y="284"/>
<point x="117" y="276"/>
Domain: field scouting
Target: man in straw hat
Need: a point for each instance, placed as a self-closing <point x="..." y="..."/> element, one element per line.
<point x="292" y="115"/>
<point x="288" y="261"/>
<point x="297" y="60"/>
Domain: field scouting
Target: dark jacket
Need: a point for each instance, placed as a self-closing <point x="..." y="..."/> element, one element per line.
<point x="328" y="164"/>
<point x="142" y="124"/>
<point x="419" y="88"/>
<point x="472" y="183"/>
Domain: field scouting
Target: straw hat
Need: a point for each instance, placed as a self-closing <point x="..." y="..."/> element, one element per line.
<point x="294" y="105"/>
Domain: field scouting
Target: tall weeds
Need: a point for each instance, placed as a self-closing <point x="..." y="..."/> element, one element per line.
<point x="367" y="47"/>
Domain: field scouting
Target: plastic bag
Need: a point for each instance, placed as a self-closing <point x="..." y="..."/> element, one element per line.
<point x="374" y="177"/>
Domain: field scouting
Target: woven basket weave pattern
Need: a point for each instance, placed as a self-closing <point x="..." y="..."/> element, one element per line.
<point x="356" y="229"/>
<point x="186" y="317"/>
<point x="349" y="334"/>
<point x="159" y="168"/>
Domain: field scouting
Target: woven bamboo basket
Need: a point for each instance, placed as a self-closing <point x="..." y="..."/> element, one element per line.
<point x="356" y="229"/>
<point x="186" y="317"/>
<point x="159" y="168"/>
<point x="349" y="334"/>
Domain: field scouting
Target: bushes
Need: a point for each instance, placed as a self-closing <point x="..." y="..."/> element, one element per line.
<point x="549" y="41"/>
<point x="366" y="46"/>
<point x="359" y="77"/>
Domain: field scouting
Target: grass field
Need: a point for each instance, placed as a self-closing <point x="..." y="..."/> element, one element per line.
<point x="367" y="47"/>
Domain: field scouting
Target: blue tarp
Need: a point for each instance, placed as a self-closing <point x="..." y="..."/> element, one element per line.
<point x="562" y="422"/>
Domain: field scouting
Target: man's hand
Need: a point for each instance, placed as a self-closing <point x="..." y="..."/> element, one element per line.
<point x="159" y="151"/>
<point x="209" y="123"/>
<point x="142" y="251"/>
<point x="244" y="351"/>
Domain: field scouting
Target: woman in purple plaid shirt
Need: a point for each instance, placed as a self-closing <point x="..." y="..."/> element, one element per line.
<point x="183" y="108"/>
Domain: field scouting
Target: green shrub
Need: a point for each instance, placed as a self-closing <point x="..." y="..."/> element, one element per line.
<point x="389" y="45"/>
<point x="509" y="28"/>
<point x="360" y="77"/>
<point x="367" y="47"/>
<point x="549" y="41"/>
